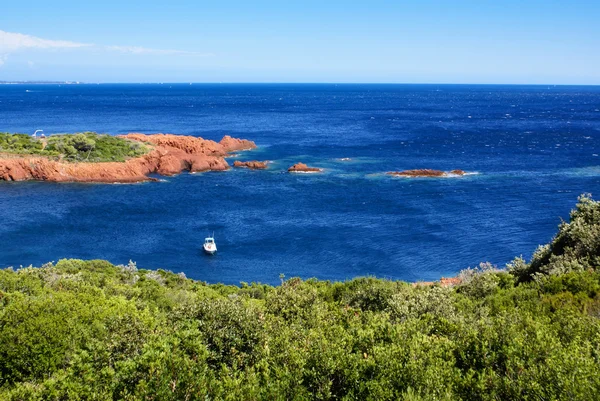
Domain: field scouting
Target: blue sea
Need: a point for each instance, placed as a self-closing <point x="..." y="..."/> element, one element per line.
<point x="532" y="150"/>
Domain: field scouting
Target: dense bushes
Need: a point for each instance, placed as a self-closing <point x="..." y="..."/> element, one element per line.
<point x="89" y="330"/>
<point x="20" y="143"/>
<point x="576" y="247"/>
<point x="86" y="146"/>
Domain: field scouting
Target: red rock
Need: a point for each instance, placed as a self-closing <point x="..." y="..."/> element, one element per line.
<point x="418" y="173"/>
<point x="303" y="168"/>
<point x="207" y="163"/>
<point x="425" y="173"/>
<point x="252" y="165"/>
<point x="188" y="144"/>
<point x="170" y="155"/>
<point x="233" y="144"/>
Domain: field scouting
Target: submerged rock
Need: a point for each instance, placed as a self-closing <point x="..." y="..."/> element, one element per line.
<point x="252" y="165"/>
<point x="425" y="173"/>
<point x="303" y="168"/>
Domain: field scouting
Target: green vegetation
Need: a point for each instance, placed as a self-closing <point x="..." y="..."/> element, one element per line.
<point x="80" y="147"/>
<point x="20" y="144"/>
<point x="575" y="248"/>
<point x="88" y="330"/>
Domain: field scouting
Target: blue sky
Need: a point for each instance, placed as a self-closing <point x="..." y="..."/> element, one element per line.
<point x="537" y="42"/>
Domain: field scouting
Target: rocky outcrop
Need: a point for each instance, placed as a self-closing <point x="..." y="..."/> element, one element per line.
<point x="230" y="144"/>
<point x="194" y="145"/>
<point x="303" y="168"/>
<point x="252" y="165"/>
<point x="170" y="155"/>
<point x="187" y="144"/>
<point x="425" y="173"/>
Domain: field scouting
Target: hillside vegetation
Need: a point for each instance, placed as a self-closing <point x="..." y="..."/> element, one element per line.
<point x="80" y="147"/>
<point x="88" y="330"/>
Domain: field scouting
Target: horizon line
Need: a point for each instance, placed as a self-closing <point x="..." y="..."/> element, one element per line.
<point x="49" y="82"/>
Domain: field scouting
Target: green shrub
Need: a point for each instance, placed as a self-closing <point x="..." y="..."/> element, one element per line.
<point x="89" y="330"/>
<point x="80" y="147"/>
<point x="575" y="248"/>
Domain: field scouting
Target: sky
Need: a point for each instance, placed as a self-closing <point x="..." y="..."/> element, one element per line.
<point x="427" y="41"/>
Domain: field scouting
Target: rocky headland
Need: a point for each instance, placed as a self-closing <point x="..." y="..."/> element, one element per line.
<point x="169" y="155"/>
<point x="303" y="168"/>
<point x="426" y="173"/>
<point x="252" y="165"/>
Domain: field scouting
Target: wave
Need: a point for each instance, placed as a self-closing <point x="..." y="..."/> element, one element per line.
<point x="307" y="172"/>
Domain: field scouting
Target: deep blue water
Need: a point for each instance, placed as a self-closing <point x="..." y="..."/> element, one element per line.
<point x="535" y="149"/>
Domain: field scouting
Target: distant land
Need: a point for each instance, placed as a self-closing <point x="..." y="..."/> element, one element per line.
<point x="40" y="82"/>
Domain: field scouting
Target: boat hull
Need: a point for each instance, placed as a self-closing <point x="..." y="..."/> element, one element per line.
<point x="209" y="250"/>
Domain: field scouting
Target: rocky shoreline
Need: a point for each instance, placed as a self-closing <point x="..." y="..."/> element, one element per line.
<point x="170" y="155"/>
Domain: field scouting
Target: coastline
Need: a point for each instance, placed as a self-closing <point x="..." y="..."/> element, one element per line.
<point x="170" y="155"/>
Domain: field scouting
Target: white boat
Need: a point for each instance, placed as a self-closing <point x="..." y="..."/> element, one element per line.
<point x="210" y="246"/>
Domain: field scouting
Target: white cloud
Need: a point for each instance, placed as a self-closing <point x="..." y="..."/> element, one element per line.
<point x="10" y="42"/>
<point x="158" y="52"/>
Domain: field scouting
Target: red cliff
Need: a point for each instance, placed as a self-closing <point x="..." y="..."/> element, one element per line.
<point x="171" y="154"/>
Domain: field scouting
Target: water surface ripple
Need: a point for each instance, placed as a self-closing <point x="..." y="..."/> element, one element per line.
<point x="535" y="149"/>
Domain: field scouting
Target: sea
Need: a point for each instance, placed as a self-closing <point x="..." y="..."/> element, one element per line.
<point x="530" y="151"/>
